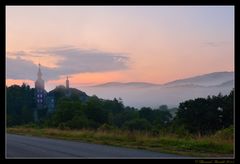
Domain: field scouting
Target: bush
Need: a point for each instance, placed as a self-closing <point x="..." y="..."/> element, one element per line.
<point x="137" y="124"/>
<point x="63" y="126"/>
<point x="106" y="127"/>
<point x="31" y="125"/>
<point x="78" y="122"/>
<point x="225" y="134"/>
<point x="179" y="130"/>
<point x="155" y="131"/>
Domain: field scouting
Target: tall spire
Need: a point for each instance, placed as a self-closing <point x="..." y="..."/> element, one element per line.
<point x="39" y="89"/>
<point x="39" y="72"/>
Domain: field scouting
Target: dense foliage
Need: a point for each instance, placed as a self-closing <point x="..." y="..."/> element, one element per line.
<point x="204" y="116"/>
<point x="78" y="111"/>
<point x="20" y="104"/>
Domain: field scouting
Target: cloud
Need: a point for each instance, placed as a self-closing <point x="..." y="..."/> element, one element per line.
<point x="20" y="69"/>
<point x="70" y="60"/>
<point x="24" y="69"/>
<point x="214" y="44"/>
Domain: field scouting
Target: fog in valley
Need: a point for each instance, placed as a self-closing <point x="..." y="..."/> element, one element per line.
<point x="171" y="94"/>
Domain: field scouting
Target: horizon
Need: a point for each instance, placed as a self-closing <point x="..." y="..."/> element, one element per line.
<point x="85" y="86"/>
<point x="96" y="45"/>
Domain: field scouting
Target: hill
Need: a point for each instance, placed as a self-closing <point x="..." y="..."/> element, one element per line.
<point x="61" y="91"/>
<point x="130" y="84"/>
<point x="139" y="94"/>
<point x="211" y="79"/>
<point x="215" y="78"/>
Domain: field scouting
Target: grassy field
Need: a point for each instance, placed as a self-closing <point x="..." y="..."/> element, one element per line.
<point x="217" y="145"/>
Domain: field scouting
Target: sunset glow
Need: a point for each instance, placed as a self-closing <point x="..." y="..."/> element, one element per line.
<point x="95" y="45"/>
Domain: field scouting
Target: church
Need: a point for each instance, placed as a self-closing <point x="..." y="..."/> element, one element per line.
<point x="42" y="99"/>
<point x="40" y="92"/>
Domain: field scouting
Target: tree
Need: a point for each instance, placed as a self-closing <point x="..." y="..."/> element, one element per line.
<point x="127" y="114"/>
<point x="20" y="104"/>
<point x="158" y="117"/>
<point x="27" y="115"/>
<point x="204" y="116"/>
<point x="227" y="110"/>
<point x="78" y="122"/>
<point x="94" y="111"/>
<point x="194" y="115"/>
<point x="161" y="117"/>
<point x="137" y="124"/>
<point x="66" y="111"/>
<point x="163" y="107"/>
<point x="146" y="113"/>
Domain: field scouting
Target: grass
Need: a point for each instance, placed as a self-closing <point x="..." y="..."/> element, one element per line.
<point x="217" y="145"/>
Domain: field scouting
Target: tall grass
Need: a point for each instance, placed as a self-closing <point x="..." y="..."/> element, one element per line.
<point x="219" y="144"/>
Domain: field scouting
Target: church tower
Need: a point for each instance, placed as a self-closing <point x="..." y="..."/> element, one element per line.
<point x="39" y="90"/>
<point x="67" y="83"/>
<point x="68" y="92"/>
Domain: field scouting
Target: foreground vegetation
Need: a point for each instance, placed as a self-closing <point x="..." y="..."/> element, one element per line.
<point x="218" y="144"/>
<point x="201" y="127"/>
<point x="202" y="116"/>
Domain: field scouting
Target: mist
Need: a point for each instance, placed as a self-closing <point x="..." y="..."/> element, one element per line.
<point x="155" y="96"/>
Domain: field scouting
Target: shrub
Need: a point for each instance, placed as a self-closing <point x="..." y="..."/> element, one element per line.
<point x="106" y="127"/>
<point x="137" y="124"/>
<point x="63" y="126"/>
<point x="225" y="134"/>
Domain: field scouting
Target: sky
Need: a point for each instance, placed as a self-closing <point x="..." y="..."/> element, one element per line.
<point x="99" y="44"/>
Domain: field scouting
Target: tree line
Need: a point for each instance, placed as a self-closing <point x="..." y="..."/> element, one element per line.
<point x="199" y="116"/>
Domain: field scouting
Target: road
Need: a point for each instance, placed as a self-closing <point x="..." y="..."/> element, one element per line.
<point x="19" y="146"/>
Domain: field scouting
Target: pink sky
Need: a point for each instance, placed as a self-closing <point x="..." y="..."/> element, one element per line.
<point x="161" y="43"/>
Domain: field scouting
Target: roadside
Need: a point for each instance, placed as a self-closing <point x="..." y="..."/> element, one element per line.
<point x="207" y="146"/>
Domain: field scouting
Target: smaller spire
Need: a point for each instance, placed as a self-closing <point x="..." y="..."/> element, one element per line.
<point x="67" y="83"/>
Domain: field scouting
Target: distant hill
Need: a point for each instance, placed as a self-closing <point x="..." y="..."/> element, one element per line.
<point x="211" y="79"/>
<point x="226" y="84"/>
<point x="61" y="91"/>
<point x="139" y="94"/>
<point x="215" y="78"/>
<point x="130" y="84"/>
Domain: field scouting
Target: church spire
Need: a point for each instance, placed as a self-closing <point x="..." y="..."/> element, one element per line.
<point x="39" y="72"/>
<point x="67" y="83"/>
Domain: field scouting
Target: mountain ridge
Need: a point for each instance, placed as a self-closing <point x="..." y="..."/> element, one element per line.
<point x="114" y="84"/>
<point x="204" y="80"/>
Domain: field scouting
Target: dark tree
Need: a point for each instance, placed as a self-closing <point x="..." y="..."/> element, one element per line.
<point x="204" y="116"/>
<point x="20" y="104"/>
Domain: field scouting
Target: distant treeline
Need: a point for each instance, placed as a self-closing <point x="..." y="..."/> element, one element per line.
<point x="199" y="116"/>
